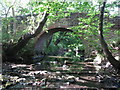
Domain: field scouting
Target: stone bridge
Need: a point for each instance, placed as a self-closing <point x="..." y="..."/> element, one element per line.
<point x="63" y="23"/>
<point x="69" y="21"/>
<point x="40" y="44"/>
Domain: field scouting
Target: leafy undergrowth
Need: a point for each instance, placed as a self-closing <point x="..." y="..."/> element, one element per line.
<point x="51" y="74"/>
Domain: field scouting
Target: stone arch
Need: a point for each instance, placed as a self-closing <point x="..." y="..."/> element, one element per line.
<point x="45" y="35"/>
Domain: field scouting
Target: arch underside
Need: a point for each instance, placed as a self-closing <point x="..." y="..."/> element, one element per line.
<point x="40" y="44"/>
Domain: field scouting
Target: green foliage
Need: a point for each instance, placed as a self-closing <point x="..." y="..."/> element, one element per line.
<point x="52" y="49"/>
<point x="54" y="8"/>
<point x="86" y="30"/>
<point x="8" y="34"/>
<point x="68" y="42"/>
<point x="23" y="11"/>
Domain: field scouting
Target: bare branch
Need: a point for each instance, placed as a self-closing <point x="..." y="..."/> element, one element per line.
<point x="41" y="24"/>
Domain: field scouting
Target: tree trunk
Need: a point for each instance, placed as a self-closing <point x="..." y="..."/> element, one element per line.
<point x="14" y="21"/>
<point x="13" y="50"/>
<point x="111" y="59"/>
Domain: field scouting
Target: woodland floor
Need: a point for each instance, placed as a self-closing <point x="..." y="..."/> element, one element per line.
<point x="54" y="75"/>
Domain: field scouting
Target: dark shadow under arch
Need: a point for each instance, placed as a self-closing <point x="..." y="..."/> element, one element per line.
<point x="45" y="35"/>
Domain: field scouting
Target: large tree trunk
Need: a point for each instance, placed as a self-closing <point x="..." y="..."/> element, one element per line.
<point x="14" y="49"/>
<point x="111" y="59"/>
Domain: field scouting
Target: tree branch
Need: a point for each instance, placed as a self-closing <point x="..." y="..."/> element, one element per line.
<point x="112" y="60"/>
<point x="24" y="39"/>
<point x="41" y="24"/>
